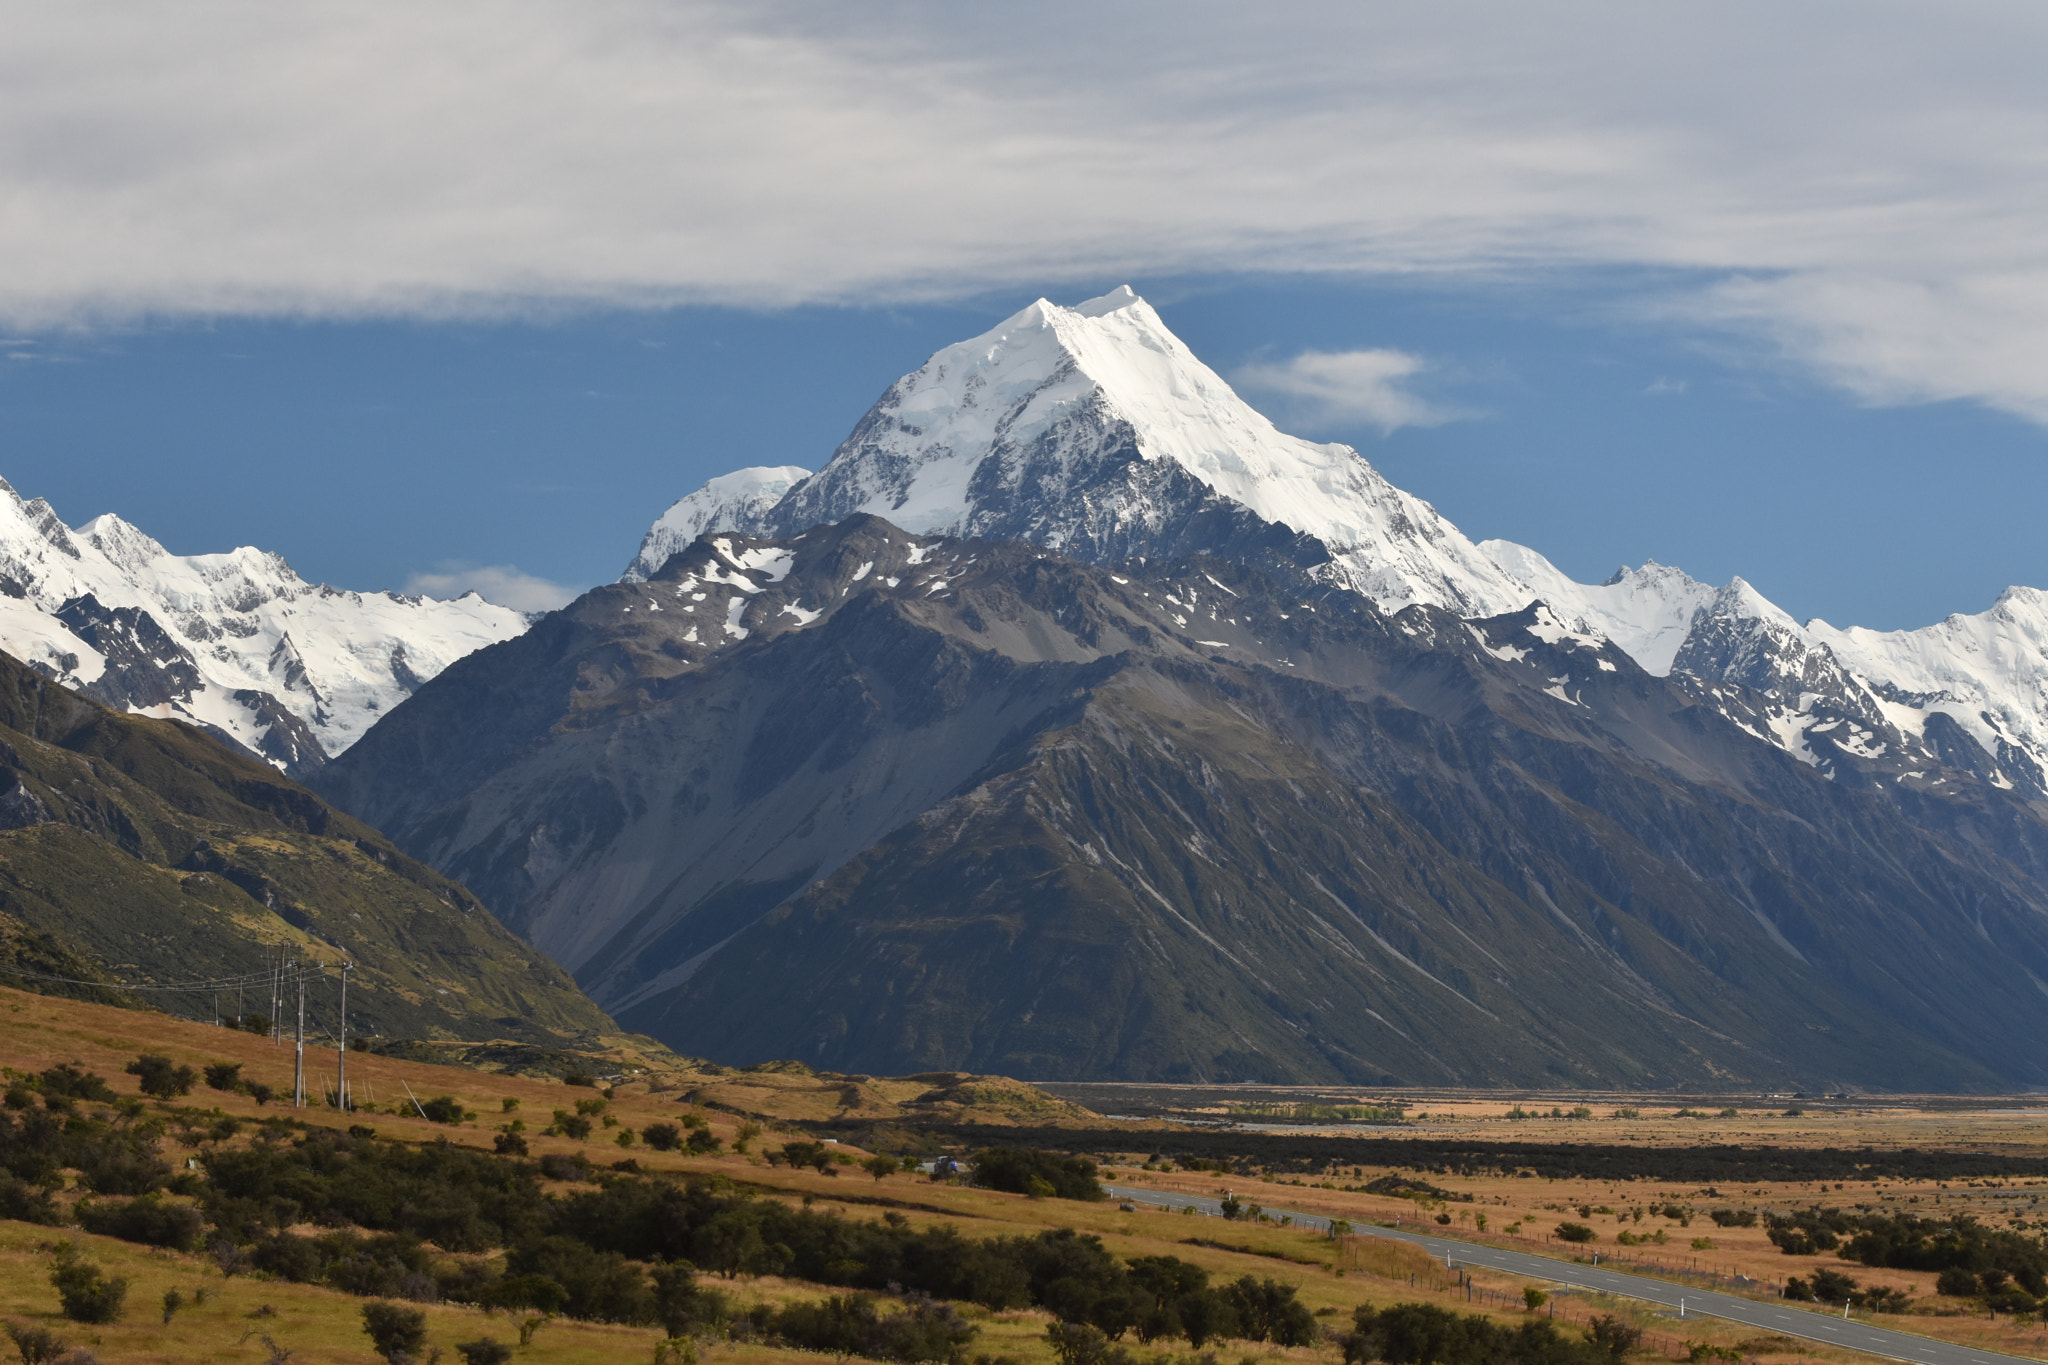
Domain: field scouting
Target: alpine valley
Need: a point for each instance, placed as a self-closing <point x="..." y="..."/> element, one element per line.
<point x="1074" y="722"/>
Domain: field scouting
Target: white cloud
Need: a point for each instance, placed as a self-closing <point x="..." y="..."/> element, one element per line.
<point x="1864" y="180"/>
<point x="503" y="584"/>
<point x="1338" y="388"/>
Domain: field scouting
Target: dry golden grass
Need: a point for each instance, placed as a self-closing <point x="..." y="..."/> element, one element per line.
<point x="320" y="1325"/>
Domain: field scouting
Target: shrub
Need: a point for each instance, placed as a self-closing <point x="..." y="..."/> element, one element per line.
<point x="399" y="1333"/>
<point x="85" y="1293"/>
<point x="702" y="1141"/>
<point x="1575" y="1232"/>
<point x="923" y="1331"/>
<point x="483" y="1351"/>
<point x="444" y="1109"/>
<point x="535" y="1292"/>
<point x="38" y="1345"/>
<point x="162" y="1078"/>
<point x="509" y="1144"/>
<point x="26" y="1203"/>
<point x="224" y="1076"/>
<point x="564" y="1166"/>
<point x="662" y="1137"/>
<point x="1956" y="1283"/>
<point x="683" y="1306"/>
<point x="1014" y="1168"/>
<point x="149" y="1220"/>
<point x="567" y="1124"/>
<point x="67" y="1082"/>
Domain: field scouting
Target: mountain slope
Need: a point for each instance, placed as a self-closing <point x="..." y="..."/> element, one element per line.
<point x="141" y="850"/>
<point x="891" y="802"/>
<point x="236" y="643"/>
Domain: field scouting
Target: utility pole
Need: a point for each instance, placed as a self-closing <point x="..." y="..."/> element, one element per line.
<point x="299" y="1061"/>
<point x="341" y="1044"/>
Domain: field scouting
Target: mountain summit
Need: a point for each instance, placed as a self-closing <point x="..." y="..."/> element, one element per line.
<point x="1094" y="430"/>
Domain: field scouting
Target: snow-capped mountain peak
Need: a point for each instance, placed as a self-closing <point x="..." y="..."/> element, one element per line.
<point x="236" y="642"/>
<point x="1096" y="431"/>
<point x="731" y="502"/>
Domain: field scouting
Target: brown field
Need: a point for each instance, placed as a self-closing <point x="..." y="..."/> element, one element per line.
<point x="320" y="1325"/>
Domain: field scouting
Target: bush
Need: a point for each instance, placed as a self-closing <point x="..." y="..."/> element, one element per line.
<point x="567" y="1124"/>
<point x="444" y="1109"/>
<point x="509" y="1144"/>
<point x="85" y="1293"/>
<point x="564" y="1166"/>
<point x="703" y="1141"/>
<point x="67" y="1082"/>
<point x="662" y="1137"/>
<point x="1015" y="1168"/>
<point x="399" y="1333"/>
<point x="537" y="1293"/>
<point x="149" y="1220"/>
<point x="224" y="1076"/>
<point x="1410" y="1333"/>
<point x="27" y="1203"/>
<point x="161" y="1077"/>
<point x="1956" y="1283"/>
<point x="1575" y="1232"/>
<point x="38" y="1345"/>
<point x="483" y="1351"/>
<point x="923" y="1331"/>
<point x="683" y="1306"/>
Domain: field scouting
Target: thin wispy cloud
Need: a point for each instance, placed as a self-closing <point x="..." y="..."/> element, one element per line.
<point x="1346" y="388"/>
<point x="1860" y="188"/>
<point x="504" y="584"/>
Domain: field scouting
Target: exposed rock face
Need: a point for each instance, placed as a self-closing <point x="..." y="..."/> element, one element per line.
<point x="892" y="802"/>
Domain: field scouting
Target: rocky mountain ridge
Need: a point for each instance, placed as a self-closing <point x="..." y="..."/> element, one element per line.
<point x="1094" y="431"/>
<point x="889" y="801"/>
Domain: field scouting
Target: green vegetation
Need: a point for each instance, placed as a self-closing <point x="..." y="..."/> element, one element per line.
<point x="1028" y="1170"/>
<point x="165" y="856"/>
<point x="1422" y="1334"/>
<point x="1322" y="1113"/>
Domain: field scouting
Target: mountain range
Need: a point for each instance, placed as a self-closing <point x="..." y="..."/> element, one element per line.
<point x="1094" y="431"/>
<point x="1073" y="721"/>
<point x="235" y="643"/>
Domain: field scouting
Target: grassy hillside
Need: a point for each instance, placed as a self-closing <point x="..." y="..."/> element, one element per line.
<point x="141" y="851"/>
<point x="241" y="1301"/>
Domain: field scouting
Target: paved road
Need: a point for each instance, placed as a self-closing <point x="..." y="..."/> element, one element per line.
<point x="1770" y="1316"/>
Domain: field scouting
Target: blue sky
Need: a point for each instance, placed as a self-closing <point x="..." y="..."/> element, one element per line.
<point x="476" y="289"/>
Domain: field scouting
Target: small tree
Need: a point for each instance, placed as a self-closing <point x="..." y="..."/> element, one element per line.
<point x="880" y="1166"/>
<point x="86" y="1293"/>
<point x="483" y="1351"/>
<point x="173" y="1301"/>
<point x="224" y="1076"/>
<point x="662" y="1137"/>
<point x="38" y="1345"/>
<point x="399" y="1333"/>
<point x="161" y="1077"/>
<point x="1533" y="1298"/>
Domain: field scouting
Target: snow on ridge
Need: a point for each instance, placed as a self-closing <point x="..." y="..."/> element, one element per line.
<point x="323" y="663"/>
<point x="1057" y="424"/>
<point x="730" y="502"/>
